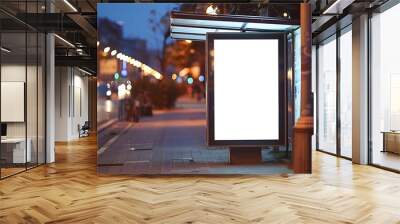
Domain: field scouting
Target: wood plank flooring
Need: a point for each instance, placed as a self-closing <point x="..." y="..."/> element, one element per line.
<point x="70" y="191"/>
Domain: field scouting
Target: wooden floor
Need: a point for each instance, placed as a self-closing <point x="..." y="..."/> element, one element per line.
<point x="70" y="191"/>
<point x="5" y="172"/>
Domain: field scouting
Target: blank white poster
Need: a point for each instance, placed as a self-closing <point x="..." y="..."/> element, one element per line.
<point x="12" y="101"/>
<point x="246" y="89"/>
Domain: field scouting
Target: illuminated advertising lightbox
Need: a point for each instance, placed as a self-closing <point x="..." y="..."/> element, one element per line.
<point x="246" y="104"/>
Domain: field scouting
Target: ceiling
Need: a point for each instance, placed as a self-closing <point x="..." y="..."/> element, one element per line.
<point x="195" y="26"/>
<point x="75" y="21"/>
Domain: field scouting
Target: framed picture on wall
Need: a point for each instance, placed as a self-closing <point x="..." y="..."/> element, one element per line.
<point x="12" y="101"/>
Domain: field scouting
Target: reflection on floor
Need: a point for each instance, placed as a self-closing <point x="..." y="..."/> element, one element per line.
<point x="5" y="172"/>
<point x="9" y="169"/>
<point x="174" y="142"/>
<point x="387" y="159"/>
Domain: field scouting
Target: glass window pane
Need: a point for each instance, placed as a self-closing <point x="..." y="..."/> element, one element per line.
<point x="385" y="89"/>
<point x="41" y="98"/>
<point x="327" y="96"/>
<point x="32" y="87"/>
<point x="31" y="96"/>
<point x="314" y="90"/>
<point x="297" y="73"/>
<point x="23" y="82"/>
<point x="13" y="85"/>
<point x="346" y="94"/>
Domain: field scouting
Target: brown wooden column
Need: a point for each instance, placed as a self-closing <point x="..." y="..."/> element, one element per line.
<point x="303" y="128"/>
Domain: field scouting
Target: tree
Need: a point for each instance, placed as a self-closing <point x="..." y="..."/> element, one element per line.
<point x="161" y="28"/>
<point x="163" y="94"/>
<point x="178" y="54"/>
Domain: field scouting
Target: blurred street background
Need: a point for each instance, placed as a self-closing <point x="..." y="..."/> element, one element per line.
<point x="171" y="142"/>
<point x="151" y="108"/>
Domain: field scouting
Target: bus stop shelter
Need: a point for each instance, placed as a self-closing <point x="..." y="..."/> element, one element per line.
<point x="194" y="26"/>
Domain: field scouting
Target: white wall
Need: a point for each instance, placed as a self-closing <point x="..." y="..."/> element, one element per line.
<point x="61" y="103"/>
<point x="33" y="127"/>
<point x="80" y="112"/>
<point x="71" y="103"/>
<point x="16" y="73"/>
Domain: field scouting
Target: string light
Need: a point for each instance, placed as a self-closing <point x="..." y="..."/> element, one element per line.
<point x="147" y="70"/>
<point x="190" y="80"/>
<point x="211" y="10"/>
<point x="201" y="78"/>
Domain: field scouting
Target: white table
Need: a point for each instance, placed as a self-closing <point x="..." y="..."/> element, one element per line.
<point x="19" y="154"/>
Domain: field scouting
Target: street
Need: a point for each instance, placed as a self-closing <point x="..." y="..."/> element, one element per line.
<point x="170" y="142"/>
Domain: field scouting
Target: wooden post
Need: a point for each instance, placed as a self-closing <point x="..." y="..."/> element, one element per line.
<point x="303" y="128"/>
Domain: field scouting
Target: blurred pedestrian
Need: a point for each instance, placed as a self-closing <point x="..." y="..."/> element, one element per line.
<point x="136" y="110"/>
<point x="197" y="91"/>
<point x="128" y="110"/>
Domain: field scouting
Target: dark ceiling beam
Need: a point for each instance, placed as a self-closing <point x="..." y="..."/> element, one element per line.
<point x="64" y="51"/>
<point x="337" y="7"/>
<point x="91" y="5"/>
<point x="16" y="18"/>
<point x="56" y="22"/>
<point x="77" y="61"/>
<point x="86" y="26"/>
<point x="320" y="23"/>
<point x="87" y="71"/>
<point x="49" y="22"/>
